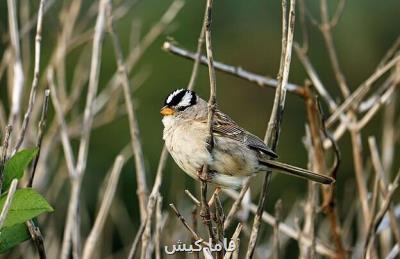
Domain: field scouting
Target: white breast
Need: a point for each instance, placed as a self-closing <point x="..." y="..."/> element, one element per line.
<point x="186" y="143"/>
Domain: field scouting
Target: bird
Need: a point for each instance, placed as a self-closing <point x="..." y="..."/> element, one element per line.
<point x="236" y="154"/>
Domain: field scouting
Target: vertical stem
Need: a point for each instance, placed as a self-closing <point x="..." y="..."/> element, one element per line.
<point x="274" y="125"/>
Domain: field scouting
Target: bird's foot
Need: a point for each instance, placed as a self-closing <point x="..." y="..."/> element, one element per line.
<point x="204" y="175"/>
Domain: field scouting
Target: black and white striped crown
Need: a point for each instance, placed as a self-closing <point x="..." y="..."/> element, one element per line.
<point x="181" y="98"/>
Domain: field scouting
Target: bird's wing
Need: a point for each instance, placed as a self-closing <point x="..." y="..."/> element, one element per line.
<point x="225" y="126"/>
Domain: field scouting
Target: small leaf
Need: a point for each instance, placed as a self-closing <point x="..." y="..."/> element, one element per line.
<point x="12" y="236"/>
<point x="15" y="166"/>
<point x="26" y="204"/>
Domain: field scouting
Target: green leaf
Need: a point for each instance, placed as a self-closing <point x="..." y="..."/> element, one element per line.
<point x="12" y="236"/>
<point x="26" y="204"/>
<point x="15" y="166"/>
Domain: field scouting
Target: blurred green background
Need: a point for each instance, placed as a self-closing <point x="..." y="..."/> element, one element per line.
<point x="246" y="34"/>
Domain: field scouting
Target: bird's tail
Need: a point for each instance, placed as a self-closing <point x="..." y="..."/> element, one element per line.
<point x="297" y="171"/>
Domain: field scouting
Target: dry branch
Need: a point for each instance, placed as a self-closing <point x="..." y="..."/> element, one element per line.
<point x="132" y="118"/>
<point x="35" y="81"/>
<point x="104" y="208"/>
<point x="7" y="203"/>
<point x="274" y="124"/>
<point x="229" y="69"/>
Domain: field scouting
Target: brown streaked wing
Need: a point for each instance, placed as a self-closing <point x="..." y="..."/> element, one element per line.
<point x="225" y="126"/>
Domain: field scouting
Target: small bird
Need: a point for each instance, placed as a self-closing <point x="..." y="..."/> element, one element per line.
<point x="236" y="153"/>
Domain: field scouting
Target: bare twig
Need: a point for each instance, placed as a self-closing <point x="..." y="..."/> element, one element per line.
<point x="133" y="123"/>
<point x="321" y="248"/>
<point x="362" y="90"/>
<point x="35" y="81"/>
<point x="312" y="74"/>
<point x="232" y="70"/>
<point x="7" y="203"/>
<point x="200" y="43"/>
<point x="104" y="208"/>
<point x="235" y="237"/>
<point x="380" y="171"/>
<point x="72" y="222"/>
<point x="318" y="159"/>
<point x="37" y="238"/>
<point x="136" y="240"/>
<point x="182" y="219"/>
<point x="18" y="74"/>
<point x="42" y="127"/>
<point x="33" y="228"/>
<point x="236" y="205"/>
<point x="384" y="98"/>
<point x="66" y="143"/>
<point x="383" y="209"/>
<point x="278" y="216"/>
<point x="205" y="210"/>
<point x="274" y="124"/>
<point x="158" y="227"/>
<point x="193" y="198"/>
<point x="152" y="201"/>
<point x="4" y="151"/>
<point x="325" y="28"/>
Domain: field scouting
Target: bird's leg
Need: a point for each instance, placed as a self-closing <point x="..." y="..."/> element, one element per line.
<point x="203" y="176"/>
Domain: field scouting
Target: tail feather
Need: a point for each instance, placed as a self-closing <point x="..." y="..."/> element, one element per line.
<point x="297" y="171"/>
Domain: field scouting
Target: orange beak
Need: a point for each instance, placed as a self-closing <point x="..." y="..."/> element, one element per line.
<point x="165" y="111"/>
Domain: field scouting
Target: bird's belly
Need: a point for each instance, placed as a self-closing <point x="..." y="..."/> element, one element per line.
<point x="188" y="149"/>
<point x="233" y="159"/>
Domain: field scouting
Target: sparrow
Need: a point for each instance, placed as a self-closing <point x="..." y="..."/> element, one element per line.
<point x="236" y="154"/>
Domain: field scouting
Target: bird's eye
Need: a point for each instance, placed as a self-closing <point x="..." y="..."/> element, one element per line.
<point x="181" y="108"/>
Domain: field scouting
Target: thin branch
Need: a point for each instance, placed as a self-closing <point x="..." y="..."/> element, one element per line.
<point x="318" y="160"/>
<point x="362" y="90"/>
<point x="35" y="81"/>
<point x="7" y="203"/>
<point x="18" y="74"/>
<point x="42" y="127"/>
<point x="235" y="237"/>
<point x="325" y="28"/>
<point x="104" y="208"/>
<point x="231" y="70"/>
<point x="384" y="207"/>
<point x="205" y="209"/>
<point x="182" y="219"/>
<point x="274" y="124"/>
<point x="193" y="198"/>
<point x="293" y="233"/>
<point x="151" y="204"/>
<point x="4" y="151"/>
<point x="383" y="99"/>
<point x="200" y="43"/>
<point x="384" y="182"/>
<point x="142" y="191"/>
<point x="278" y="216"/>
<point x="72" y="223"/>
<point x="158" y="227"/>
<point x="236" y="205"/>
<point x="37" y="238"/>
<point x="312" y="74"/>
<point x="136" y="240"/>
<point x="66" y="143"/>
